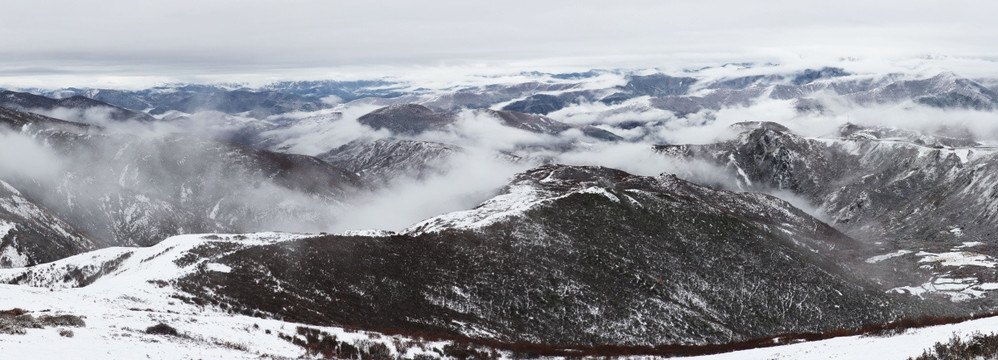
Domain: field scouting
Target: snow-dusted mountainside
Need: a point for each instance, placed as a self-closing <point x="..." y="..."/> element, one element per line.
<point x="121" y="292"/>
<point x="21" y="101"/>
<point x="480" y="96"/>
<point x="30" y="234"/>
<point x="545" y="125"/>
<point x="910" y="194"/>
<point x="412" y="119"/>
<point x="126" y="190"/>
<point x="407" y="119"/>
<point x="179" y="184"/>
<point x="945" y="90"/>
<point x="39" y="125"/>
<point x="383" y="161"/>
<point x="257" y="103"/>
<point x="570" y="255"/>
<point x="539" y="93"/>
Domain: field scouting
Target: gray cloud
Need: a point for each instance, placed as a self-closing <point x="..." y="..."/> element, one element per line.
<point x="23" y="157"/>
<point x="186" y="37"/>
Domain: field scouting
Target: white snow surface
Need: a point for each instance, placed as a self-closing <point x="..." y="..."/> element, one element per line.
<point x="516" y="200"/>
<point x="956" y="288"/>
<point x="6" y="227"/>
<point x="368" y="232"/>
<point x="519" y="197"/>
<point x="957" y="259"/>
<point x="119" y="306"/>
<point x="879" y="258"/>
<point x="909" y="344"/>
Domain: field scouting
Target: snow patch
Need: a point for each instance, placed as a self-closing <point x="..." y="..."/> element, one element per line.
<point x="599" y="191"/>
<point x="15" y="258"/>
<point x="368" y="233"/>
<point x="908" y="344"/>
<point x="957" y="259"/>
<point x="879" y="258"/>
<point x="222" y="268"/>
<point x="518" y="199"/>
<point x="5" y="228"/>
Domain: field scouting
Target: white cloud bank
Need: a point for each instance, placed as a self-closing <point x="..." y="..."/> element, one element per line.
<point x="116" y="43"/>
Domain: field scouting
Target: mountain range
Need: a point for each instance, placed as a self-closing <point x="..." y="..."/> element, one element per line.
<point x="606" y="212"/>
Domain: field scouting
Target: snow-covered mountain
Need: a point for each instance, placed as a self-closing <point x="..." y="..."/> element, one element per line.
<point x="383" y="161"/>
<point x="921" y="198"/>
<point x="35" y="103"/>
<point x="570" y="255"/>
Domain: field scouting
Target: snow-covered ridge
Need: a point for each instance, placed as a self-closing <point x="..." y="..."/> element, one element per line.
<point x="521" y="195"/>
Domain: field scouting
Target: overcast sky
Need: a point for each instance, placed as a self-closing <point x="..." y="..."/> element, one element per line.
<point x="173" y="39"/>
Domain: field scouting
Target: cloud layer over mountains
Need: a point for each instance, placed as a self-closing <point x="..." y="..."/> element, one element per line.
<point x="308" y="38"/>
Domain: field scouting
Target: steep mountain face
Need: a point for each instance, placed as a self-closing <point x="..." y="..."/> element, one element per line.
<point x="537" y="104"/>
<point x="473" y="97"/>
<point x="810" y="75"/>
<point x="383" y="161"/>
<point x="343" y="90"/>
<point x="917" y="195"/>
<point x="29" y="102"/>
<point x="895" y="169"/>
<point x="136" y="191"/>
<point x="30" y="234"/>
<point x="487" y="96"/>
<point x="258" y="104"/>
<point x="407" y="119"/>
<point x="743" y="82"/>
<point x="413" y="119"/>
<point x="568" y="255"/>
<point x="35" y="124"/>
<point x="174" y="185"/>
<point x="650" y="85"/>
<point x="543" y="103"/>
<point x="715" y="100"/>
<point x="944" y="91"/>
<point x="545" y="125"/>
<point x="123" y="98"/>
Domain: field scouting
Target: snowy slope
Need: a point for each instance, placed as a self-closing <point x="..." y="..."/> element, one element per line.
<point x="135" y="294"/>
<point x="30" y="234"/>
<point x="572" y="255"/>
<point x="900" y="191"/>
<point x="911" y="343"/>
